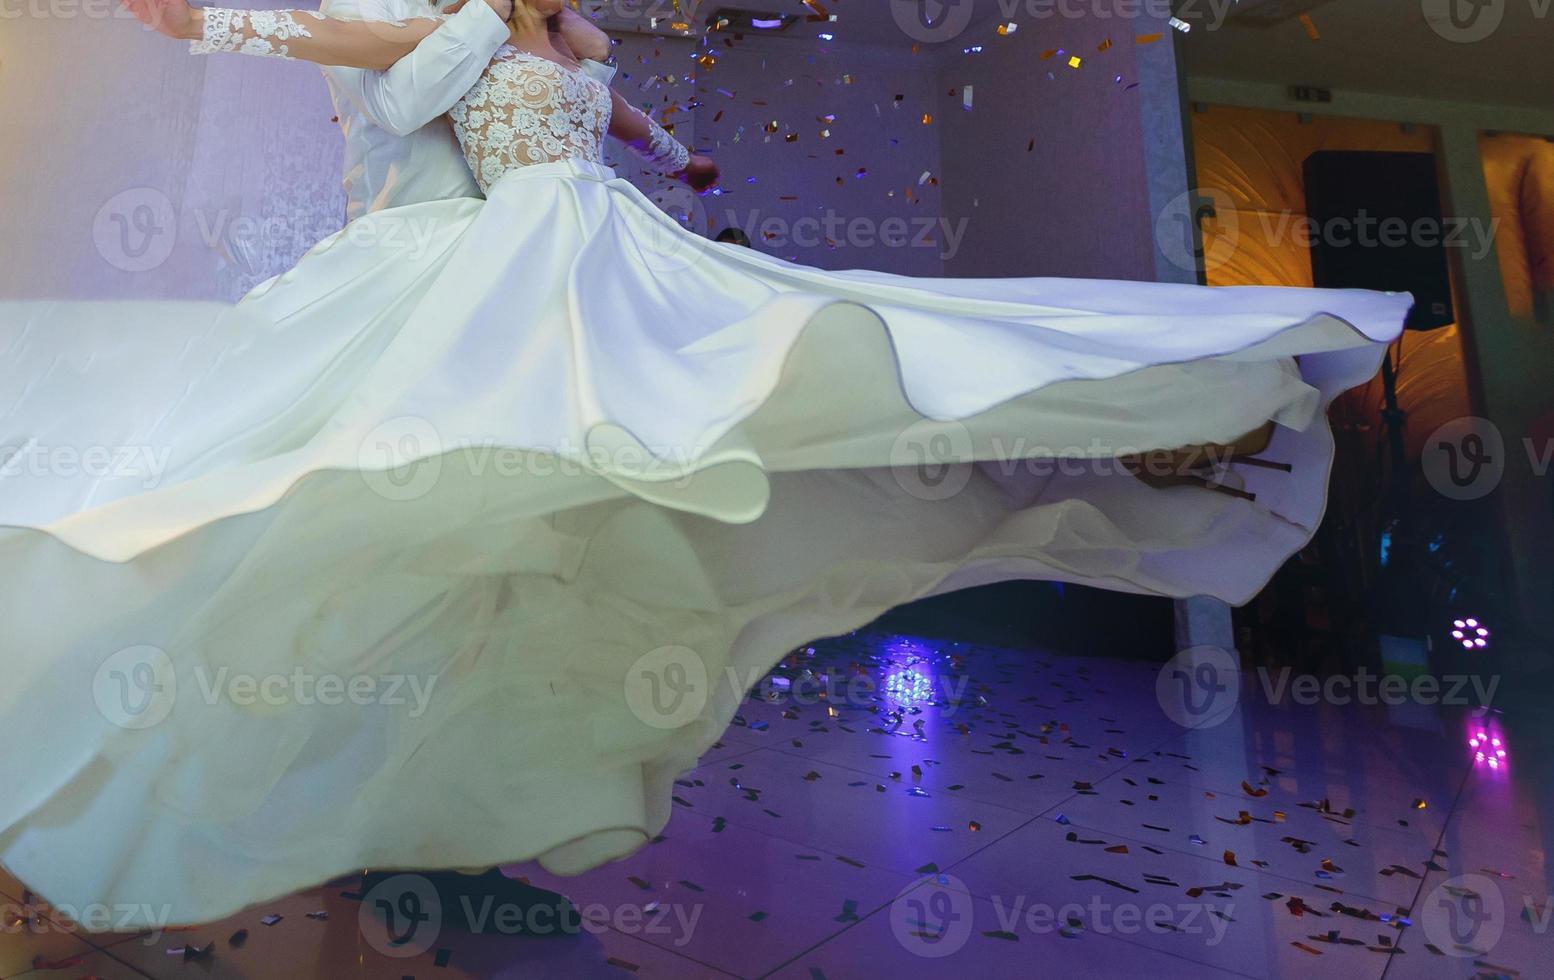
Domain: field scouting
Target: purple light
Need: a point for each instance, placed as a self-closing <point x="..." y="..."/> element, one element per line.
<point x="1470" y="633"/>
<point x="1488" y="749"/>
<point x="908" y="671"/>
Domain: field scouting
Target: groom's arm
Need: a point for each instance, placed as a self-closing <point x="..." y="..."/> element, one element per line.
<point x="425" y="83"/>
<point x="590" y="45"/>
<point x="587" y="41"/>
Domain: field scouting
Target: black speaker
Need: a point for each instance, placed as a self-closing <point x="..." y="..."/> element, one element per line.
<point x="1377" y="225"/>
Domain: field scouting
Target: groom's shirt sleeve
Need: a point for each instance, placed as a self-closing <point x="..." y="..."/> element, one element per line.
<point x="425" y="83"/>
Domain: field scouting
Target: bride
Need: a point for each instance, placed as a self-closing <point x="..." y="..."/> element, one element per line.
<point x="455" y="548"/>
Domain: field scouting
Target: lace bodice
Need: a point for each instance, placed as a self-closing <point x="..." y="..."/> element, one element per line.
<point x="527" y="110"/>
<point x="524" y="110"/>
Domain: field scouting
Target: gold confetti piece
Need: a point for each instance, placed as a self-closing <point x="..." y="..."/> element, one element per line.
<point x="1075" y="61"/>
<point x="1230" y="858"/>
<point x="1311" y="27"/>
<point x="1147" y="38"/>
<point x="1105" y="45"/>
<point x="1252" y="791"/>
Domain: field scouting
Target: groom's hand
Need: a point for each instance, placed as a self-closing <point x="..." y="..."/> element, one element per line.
<point x="503" y="8"/>
<point x="174" y="18"/>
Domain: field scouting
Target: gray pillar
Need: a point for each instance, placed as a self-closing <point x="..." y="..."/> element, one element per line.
<point x="1200" y="622"/>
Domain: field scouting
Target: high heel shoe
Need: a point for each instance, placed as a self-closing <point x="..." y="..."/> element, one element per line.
<point x="1204" y="465"/>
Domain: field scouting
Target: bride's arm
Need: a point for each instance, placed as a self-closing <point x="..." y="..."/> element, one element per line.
<point x="299" y="34"/>
<point x="657" y="148"/>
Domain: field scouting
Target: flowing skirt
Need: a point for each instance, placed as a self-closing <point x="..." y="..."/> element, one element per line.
<point x="458" y="543"/>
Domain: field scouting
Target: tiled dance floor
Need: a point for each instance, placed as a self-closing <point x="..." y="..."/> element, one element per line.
<point x="893" y="806"/>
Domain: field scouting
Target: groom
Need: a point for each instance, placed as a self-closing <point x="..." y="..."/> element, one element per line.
<point x="398" y="147"/>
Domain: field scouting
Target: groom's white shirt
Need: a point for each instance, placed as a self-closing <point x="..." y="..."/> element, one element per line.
<point x="399" y="148"/>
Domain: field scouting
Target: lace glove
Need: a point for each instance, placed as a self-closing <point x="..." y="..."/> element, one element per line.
<point x="663" y="152"/>
<point x="260" y="32"/>
<point x="307" y="36"/>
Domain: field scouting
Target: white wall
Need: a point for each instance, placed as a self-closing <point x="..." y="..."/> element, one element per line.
<point x="803" y="199"/>
<point x="1048" y="169"/>
<point x="122" y="150"/>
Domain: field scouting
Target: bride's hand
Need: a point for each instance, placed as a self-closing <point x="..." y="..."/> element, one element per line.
<point x="174" y="18"/>
<point x="701" y="173"/>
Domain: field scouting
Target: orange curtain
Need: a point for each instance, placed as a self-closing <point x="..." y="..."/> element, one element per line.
<point x="1520" y="173"/>
<point x="1250" y="163"/>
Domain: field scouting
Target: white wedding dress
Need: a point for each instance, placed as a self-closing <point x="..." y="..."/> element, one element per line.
<point x="458" y="543"/>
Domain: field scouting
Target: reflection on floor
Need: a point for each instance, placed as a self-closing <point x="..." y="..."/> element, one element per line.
<point x="886" y="805"/>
